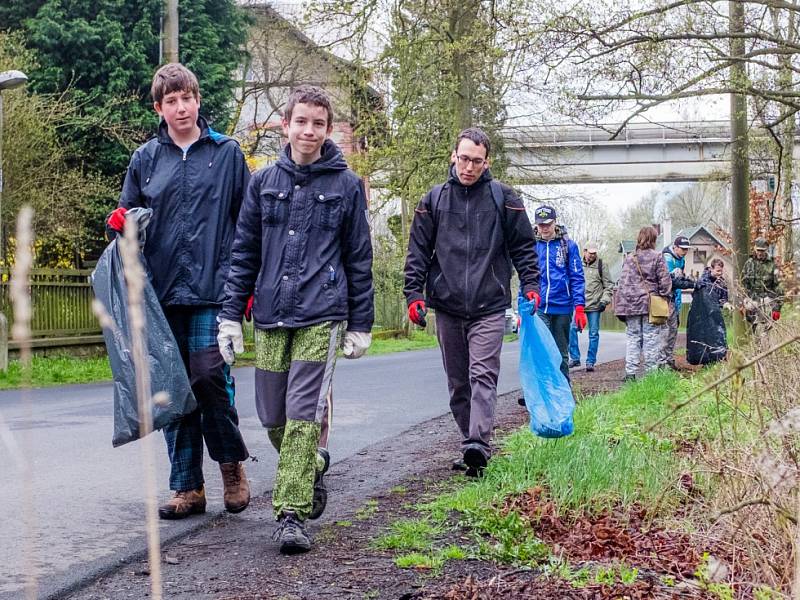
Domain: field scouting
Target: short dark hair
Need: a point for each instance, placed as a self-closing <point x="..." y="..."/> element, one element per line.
<point x="477" y="137"/>
<point x="173" y="77"/>
<point x="646" y="240"/>
<point x="716" y="261"/>
<point x="308" y="94"/>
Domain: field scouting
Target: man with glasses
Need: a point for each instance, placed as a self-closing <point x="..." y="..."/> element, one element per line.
<point x="465" y="236"/>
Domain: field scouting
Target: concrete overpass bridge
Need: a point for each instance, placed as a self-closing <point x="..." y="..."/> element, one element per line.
<point x="642" y="152"/>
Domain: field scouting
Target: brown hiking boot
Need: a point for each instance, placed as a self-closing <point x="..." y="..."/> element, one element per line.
<point x="236" y="487"/>
<point x="183" y="504"/>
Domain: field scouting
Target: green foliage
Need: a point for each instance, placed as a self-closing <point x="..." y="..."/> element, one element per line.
<point x="90" y="66"/>
<point x="68" y="198"/>
<point x="444" y="66"/>
<point x="410" y="534"/>
<point x="113" y="47"/>
<point x="367" y="511"/>
<point x="59" y="370"/>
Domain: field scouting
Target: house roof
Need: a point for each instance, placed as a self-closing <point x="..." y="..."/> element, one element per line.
<point x="341" y="64"/>
<point x="690" y="232"/>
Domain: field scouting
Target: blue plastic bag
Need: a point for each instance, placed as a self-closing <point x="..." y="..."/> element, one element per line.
<point x="548" y="395"/>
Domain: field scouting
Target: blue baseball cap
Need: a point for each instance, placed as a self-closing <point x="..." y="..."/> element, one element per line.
<point x="545" y="214"/>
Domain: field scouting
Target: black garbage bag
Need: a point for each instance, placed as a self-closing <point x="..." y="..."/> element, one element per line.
<point x="705" y="331"/>
<point x="167" y="372"/>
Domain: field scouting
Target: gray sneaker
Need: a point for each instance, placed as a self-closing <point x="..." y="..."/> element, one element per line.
<point x="291" y="534"/>
<point x="320" y="499"/>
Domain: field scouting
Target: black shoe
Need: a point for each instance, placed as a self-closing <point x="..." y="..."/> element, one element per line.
<point x="291" y="533"/>
<point x="459" y="465"/>
<point x="320" y="499"/>
<point x="475" y="461"/>
<point x="589" y="368"/>
<point x="521" y="400"/>
<point x="573" y="363"/>
<point x="628" y="377"/>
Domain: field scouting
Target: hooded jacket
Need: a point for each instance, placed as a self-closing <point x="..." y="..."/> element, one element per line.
<point x="461" y="249"/>
<point x="679" y="282"/>
<point x="195" y="196"/>
<point x="561" y="268"/>
<point x="303" y="246"/>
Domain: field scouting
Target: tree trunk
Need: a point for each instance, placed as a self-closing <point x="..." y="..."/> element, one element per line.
<point x="169" y="32"/>
<point x="740" y="173"/>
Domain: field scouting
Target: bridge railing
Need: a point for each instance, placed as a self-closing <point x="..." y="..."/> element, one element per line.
<point x="566" y="135"/>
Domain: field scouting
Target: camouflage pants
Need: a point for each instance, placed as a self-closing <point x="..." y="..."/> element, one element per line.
<point x="670" y="336"/>
<point x="645" y="339"/>
<point x="294" y="373"/>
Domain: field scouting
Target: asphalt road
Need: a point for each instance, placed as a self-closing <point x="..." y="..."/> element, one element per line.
<point x="87" y="497"/>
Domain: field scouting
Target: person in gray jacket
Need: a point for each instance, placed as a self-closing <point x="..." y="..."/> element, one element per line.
<point x="465" y="236"/>
<point x="597" y="291"/>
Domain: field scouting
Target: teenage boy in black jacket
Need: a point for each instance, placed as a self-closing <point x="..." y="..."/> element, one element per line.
<point x="464" y="238"/>
<point x="303" y="249"/>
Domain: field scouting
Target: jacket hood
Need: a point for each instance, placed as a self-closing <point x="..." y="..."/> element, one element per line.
<point x="453" y="179"/>
<point x="560" y="233"/>
<point x="205" y="132"/>
<point x="331" y="159"/>
<point x="669" y="250"/>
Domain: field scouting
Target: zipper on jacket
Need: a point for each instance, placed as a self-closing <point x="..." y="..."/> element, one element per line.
<point x="466" y="269"/>
<point x="549" y="285"/>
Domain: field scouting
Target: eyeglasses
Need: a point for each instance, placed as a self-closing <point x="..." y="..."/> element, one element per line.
<point x="465" y="160"/>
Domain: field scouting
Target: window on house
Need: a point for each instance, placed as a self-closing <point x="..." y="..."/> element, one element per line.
<point x="700" y="257"/>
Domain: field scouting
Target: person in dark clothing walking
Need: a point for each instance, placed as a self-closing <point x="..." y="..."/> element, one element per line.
<point x="465" y="237"/>
<point x="303" y="250"/>
<point x="193" y="179"/>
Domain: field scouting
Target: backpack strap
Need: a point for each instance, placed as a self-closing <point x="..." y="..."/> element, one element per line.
<point x="436" y="193"/>
<point x="600" y="268"/>
<point x="499" y="200"/>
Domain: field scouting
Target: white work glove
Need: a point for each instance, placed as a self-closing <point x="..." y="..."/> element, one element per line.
<point x="727" y="306"/>
<point x="230" y="340"/>
<point x="355" y="343"/>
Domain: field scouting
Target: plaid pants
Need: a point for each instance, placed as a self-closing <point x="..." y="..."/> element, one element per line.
<point x="294" y="374"/>
<point x="215" y="420"/>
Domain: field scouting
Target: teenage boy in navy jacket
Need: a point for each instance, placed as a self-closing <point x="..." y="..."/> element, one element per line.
<point x="303" y="250"/>
<point x="193" y="179"/>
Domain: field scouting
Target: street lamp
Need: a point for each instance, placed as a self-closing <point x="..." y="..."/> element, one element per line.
<point x="8" y="81"/>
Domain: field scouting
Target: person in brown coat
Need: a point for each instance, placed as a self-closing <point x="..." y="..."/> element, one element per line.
<point x="644" y="272"/>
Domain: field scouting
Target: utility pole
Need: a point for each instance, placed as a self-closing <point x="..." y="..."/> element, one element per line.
<point x="169" y="32"/>
<point x="740" y="167"/>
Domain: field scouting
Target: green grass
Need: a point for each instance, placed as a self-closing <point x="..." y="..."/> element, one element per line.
<point x="57" y="370"/>
<point x="409" y="534"/>
<point x="611" y="459"/>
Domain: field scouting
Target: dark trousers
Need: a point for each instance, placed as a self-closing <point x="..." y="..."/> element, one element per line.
<point x="471" y="357"/>
<point x="215" y="419"/>
<point x="559" y="327"/>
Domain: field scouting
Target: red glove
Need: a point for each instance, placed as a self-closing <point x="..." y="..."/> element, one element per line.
<point x="116" y="220"/>
<point x="248" y="310"/>
<point x="416" y="313"/>
<point x="776" y="315"/>
<point x="536" y="299"/>
<point x="580" y="318"/>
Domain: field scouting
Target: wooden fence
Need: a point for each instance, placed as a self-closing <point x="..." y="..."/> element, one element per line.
<point x="62" y="306"/>
<point x="62" y="303"/>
